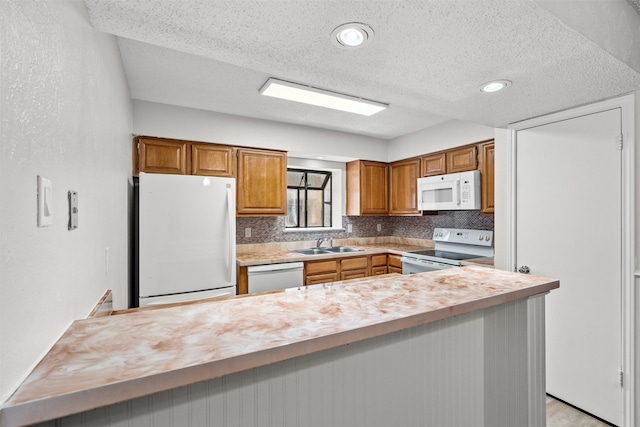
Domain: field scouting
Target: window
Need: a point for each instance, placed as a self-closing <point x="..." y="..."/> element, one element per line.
<point x="308" y="198"/>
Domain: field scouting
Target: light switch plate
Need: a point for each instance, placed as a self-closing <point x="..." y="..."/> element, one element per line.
<point x="45" y="202"/>
<point x="73" y="210"/>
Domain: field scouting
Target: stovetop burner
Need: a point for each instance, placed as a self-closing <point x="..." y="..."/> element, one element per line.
<point x="443" y="254"/>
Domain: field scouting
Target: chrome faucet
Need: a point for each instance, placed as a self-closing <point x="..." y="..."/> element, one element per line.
<point x="322" y="239"/>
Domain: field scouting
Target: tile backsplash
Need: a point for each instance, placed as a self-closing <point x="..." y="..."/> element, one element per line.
<point x="271" y="229"/>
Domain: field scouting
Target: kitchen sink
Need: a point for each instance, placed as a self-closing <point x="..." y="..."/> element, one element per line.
<point x="341" y="249"/>
<point x="324" y="251"/>
<point x="311" y="251"/>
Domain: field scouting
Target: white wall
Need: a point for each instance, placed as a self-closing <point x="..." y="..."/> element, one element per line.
<point x="452" y="133"/>
<point x="153" y="119"/>
<point x="66" y="115"/>
<point x="501" y="179"/>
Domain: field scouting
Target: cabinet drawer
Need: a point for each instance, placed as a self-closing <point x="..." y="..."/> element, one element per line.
<point x="395" y="270"/>
<point x="315" y="267"/>
<point x="354" y="263"/>
<point x="376" y="271"/>
<point x="353" y="274"/>
<point x="316" y="279"/>
<point x="378" y="260"/>
<point x="394" y="261"/>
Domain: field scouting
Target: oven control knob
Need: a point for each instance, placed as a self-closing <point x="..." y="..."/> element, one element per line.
<point x="524" y="270"/>
<point x="487" y="238"/>
<point x="481" y="238"/>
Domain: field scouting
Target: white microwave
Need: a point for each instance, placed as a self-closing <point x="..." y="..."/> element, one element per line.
<point x="451" y="192"/>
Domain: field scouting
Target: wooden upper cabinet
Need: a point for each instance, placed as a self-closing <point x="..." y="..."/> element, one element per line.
<point x="403" y="187"/>
<point x="487" y="176"/>
<point x="433" y="164"/>
<point x="367" y="188"/>
<point x="213" y="160"/>
<point x="261" y="182"/>
<point x="156" y="155"/>
<point x="462" y="159"/>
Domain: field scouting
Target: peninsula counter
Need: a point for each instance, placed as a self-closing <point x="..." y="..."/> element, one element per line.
<point x="462" y="346"/>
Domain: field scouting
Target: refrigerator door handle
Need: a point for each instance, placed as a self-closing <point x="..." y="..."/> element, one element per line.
<point x="230" y="212"/>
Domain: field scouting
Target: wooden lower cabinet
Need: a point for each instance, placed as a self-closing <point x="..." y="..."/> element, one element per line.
<point x="327" y="271"/>
<point x="324" y="271"/>
<point x="394" y="265"/>
<point x="378" y="264"/>
<point x="354" y="268"/>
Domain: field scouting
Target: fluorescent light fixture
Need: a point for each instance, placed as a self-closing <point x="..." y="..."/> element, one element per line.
<point x="320" y="97"/>
<point x="494" y="86"/>
<point x="352" y="35"/>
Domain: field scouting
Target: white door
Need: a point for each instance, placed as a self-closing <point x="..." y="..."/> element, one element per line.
<point x="568" y="226"/>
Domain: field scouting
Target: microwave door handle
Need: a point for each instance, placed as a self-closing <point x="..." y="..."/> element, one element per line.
<point x="457" y="192"/>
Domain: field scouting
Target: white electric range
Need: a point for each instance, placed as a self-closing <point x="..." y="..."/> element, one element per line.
<point x="453" y="245"/>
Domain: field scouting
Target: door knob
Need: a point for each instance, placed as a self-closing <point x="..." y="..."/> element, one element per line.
<point x="524" y="270"/>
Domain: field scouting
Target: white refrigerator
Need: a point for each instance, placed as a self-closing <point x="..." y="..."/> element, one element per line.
<point x="186" y="238"/>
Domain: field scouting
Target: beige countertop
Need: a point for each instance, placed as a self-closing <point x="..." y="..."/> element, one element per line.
<point x="105" y="360"/>
<point x="277" y="254"/>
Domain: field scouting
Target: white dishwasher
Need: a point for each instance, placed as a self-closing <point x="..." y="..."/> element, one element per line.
<point x="275" y="276"/>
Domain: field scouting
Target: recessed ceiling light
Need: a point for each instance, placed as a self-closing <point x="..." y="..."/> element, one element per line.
<point x="352" y="35"/>
<point x="320" y="97"/>
<point x="494" y="86"/>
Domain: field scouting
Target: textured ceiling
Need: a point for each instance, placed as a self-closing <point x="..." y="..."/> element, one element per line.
<point x="427" y="60"/>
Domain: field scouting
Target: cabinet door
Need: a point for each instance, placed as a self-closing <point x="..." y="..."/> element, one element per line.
<point x="212" y="160"/>
<point x="316" y="267"/>
<point x="433" y="164"/>
<point x="353" y="274"/>
<point x="316" y="279"/>
<point x="262" y="182"/>
<point x="367" y="188"/>
<point x="403" y="187"/>
<point x="379" y="260"/>
<point x="462" y="159"/>
<point x="162" y="156"/>
<point x="377" y="271"/>
<point x="358" y="263"/>
<point x="394" y="262"/>
<point x="487" y="165"/>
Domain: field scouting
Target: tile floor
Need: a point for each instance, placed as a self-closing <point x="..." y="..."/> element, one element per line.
<point x="562" y="415"/>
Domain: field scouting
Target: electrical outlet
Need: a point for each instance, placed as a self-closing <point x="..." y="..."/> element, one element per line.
<point x="247" y="232"/>
<point x="106" y="260"/>
<point x="349" y="228"/>
<point x="379" y="227"/>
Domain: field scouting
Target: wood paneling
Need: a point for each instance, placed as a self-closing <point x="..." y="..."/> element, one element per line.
<point x="262" y="182"/>
<point x="487" y="176"/>
<point x="433" y="164"/>
<point x="367" y="188"/>
<point x="462" y="159"/>
<point x="156" y="155"/>
<point x="213" y="160"/>
<point x="403" y="187"/>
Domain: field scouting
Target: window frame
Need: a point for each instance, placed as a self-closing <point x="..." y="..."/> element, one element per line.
<point x="328" y="181"/>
